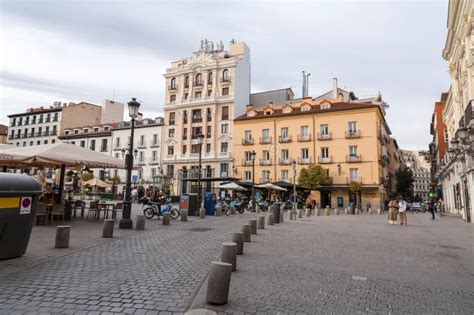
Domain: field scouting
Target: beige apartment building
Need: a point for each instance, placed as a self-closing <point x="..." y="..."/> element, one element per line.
<point x="349" y="139"/>
<point x="203" y="93"/>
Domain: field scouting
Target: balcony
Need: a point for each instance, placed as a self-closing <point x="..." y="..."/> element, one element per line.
<point x="224" y="117"/>
<point x="141" y="162"/>
<point x="265" y="162"/>
<point x="47" y="120"/>
<point x="357" y="179"/>
<point x="153" y="161"/>
<point x="284" y="161"/>
<point x="45" y="133"/>
<point x="103" y="149"/>
<point x="325" y="160"/>
<point x="225" y="80"/>
<point x="352" y="134"/>
<point x="171" y="122"/>
<point x="17" y="136"/>
<point x="266" y="140"/>
<point x="284" y="179"/>
<point x="40" y="121"/>
<point x="247" y="141"/>
<point x="116" y="147"/>
<point x="198" y="83"/>
<point x="55" y="119"/>
<point x="284" y="139"/>
<point x="172" y="87"/>
<point x="31" y="135"/>
<point x="324" y="137"/>
<point x="197" y="119"/>
<point x="154" y="144"/>
<point x="264" y="180"/>
<point x="327" y="182"/>
<point x="304" y="138"/>
<point x="246" y="162"/>
<point x="353" y="158"/>
<point x="141" y="145"/>
<point x="38" y="134"/>
<point x="224" y="154"/>
<point x="194" y="173"/>
<point x="304" y="161"/>
<point x="52" y="133"/>
<point x="25" y="135"/>
<point x="33" y="121"/>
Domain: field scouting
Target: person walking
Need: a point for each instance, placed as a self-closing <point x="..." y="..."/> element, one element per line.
<point x="402" y="208"/>
<point x="392" y="211"/>
<point x="431" y="208"/>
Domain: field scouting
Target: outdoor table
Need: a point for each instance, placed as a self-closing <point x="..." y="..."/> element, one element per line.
<point x="106" y="207"/>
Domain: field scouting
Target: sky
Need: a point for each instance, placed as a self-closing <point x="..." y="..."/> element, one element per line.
<point x="73" y="51"/>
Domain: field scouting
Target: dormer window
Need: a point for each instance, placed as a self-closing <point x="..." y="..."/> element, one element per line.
<point x="326" y="105"/>
<point x="268" y="113"/>
<point x="66" y="132"/>
<point x="86" y="130"/>
<point x="76" y="131"/>
<point x="250" y="114"/>
<point x="286" y="110"/>
<point x="305" y="108"/>
<point x="96" y="129"/>
<point x="106" y="128"/>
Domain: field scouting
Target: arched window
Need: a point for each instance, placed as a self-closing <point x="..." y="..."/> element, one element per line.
<point x="225" y="75"/>
<point x="209" y="78"/>
<point x="173" y="84"/>
<point x="198" y="79"/>
<point x="186" y="81"/>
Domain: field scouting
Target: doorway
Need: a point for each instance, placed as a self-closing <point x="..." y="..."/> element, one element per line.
<point x="325" y="199"/>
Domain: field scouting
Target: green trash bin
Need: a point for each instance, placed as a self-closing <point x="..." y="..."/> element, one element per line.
<point x="18" y="200"/>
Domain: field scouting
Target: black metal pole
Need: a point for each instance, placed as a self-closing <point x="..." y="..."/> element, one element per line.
<point x="253" y="184"/>
<point x="126" y="221"/>
<point x="199" y="179"/>
<point x="61" y="183"/>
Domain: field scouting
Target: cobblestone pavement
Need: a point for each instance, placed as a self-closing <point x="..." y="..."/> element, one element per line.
<point x="159" y="269"/>
<point x="355" y="265"/>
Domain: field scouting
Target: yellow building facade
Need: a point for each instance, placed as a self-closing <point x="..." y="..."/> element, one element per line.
<point x="345" y="138"/>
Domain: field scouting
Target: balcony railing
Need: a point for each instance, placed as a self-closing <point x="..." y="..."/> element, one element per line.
<point x="324" y="160"/>
<point x="284" y="139"/>
<point x="353" y="158"/>
<point x="40" y="121"/>
<point x="351" y="134"/>
<point x="25" y="135"/>
<point x="172" y="87"/>
<point x="197" y="119"/>
<point x="52" y="133"/>
<point x="247" y="141"/>
<point x="194" y="173"/>
<point x="153" y="161"/>
<point x="357" y="179"/>
<point x="265" y="140"/>
<point x="264" y="180"/>
<point x="225" y="80"/>
<point x="224" y="117"/>
<point x="45" y="133"/>
<point x="264" y="162"/>
<point x="103" y="149"/>
<point x="47" y="120"/>
<point x="246" y="162"/>
<point x="198" y="83"/>
<point x="38" y="134"/>
<point x="284" y="161"/>
<point x="305" y="137"/>
<point x="17" y="136"/>
<point x="327" y="182"/>
<point x="304" y="161"/>
<point x="116" y="147"/>
<point x="55" y="119"/>
<point x="325" y="136"/>
<point x="171" y="122"/>
<point x="141" y="145"/>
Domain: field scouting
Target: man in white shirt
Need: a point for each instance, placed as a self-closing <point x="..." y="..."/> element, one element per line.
<point x="402" y="208"/>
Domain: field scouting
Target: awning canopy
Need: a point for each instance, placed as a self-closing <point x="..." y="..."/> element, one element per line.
<point x="232" y="186"/>
<point x="271" y="186"/>
<point x="289" y="185"/>
<point x="96" y="182"/>
<point x="54" y="155"/>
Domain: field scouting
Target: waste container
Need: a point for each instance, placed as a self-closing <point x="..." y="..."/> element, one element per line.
<point x="210" y="203"/>
<point x="18" y="200"/>
<point x="189" y="202"/>
<point x="352" y="205"/>
<point x="276" y="212"/>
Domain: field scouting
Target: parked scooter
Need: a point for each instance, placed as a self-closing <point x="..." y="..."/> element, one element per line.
<point x="150" y="208"/>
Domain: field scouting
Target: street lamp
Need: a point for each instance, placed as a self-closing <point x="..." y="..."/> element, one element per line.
<point x="293" y="164"/>
<point x="252" y="157"/>
<point x="200" y="141"/>
<point x="126" y="221"/>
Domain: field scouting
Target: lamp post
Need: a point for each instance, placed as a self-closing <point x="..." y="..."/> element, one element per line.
<point x="126" y="221"/>
<point x="200" y="141"/>
<point x="293" y="164"/>
<point x="252" y="157"/>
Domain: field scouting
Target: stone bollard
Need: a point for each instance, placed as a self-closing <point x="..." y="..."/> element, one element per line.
<point x="336" y="211"/>
<point x="281" y="216"/>
<point x="357" y="211"/>
<point x="140" y="222"/>
<point x="326" y="211"/>
<point x="269" y="218"/>
<point x="202" y="213"/>
<point x="218" y="212"/>
<point x="166" y="218"/>
<point x="257" y="208"/>
<point x="229" y="254"/>
<point x="290" y="215"/>
<point x="108" y="230"/>
<point x="200" y="311"/>
<point x="218" y="283"/>
<point x="369" y="211"/>
<point x="184" y="215"/>
<point x="253" y="226"/>
<point x="379" y="212"/>
<point x="238" y="238"/>
<point x="62" y="236"/>
<point x="246" y="231"/>
<point x="346" y="211"/>
<point x="317" y="212"/>
<point x="308" y="212"/>
<point x="299" y="213"/>
<point x="261" y="222"/>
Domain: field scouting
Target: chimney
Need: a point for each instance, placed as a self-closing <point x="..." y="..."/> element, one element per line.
<point x="334" y="88"/>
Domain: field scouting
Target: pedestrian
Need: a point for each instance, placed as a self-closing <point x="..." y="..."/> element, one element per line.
<point x="431" y="208"/>
<point x="402" y="208"/>
<point x="134" y="194"/>
<point x="392" y="210"/>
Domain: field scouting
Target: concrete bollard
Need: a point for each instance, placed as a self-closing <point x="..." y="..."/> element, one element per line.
<point x="200" y="311"/>
<point x="257" y="208"/>
<point x="238" y="238"/>
<point x="357" y="211"/>
<point x="281" y="216"/>
<point x="62" y="236"/>
<point x="229" y="254"/>
<point x="369" y="211"/>
<point x="308" y="212"/>
<point x="317" y="212"/>
<point x="218" y="212"/>
<point x="326" y="211"/>
<point x="299" y="213"/>
<point x="253" y="226"/>
<point x="269" y="218"/>
<point x="346" y="211"/>
<point x="336" y="211"/>
<point x="108" y="230"/>
<point x="140" y="222"/>
<point x="261" y="222"/>
<point x="166" y="218"/>
<point x="218" y="283"/>
<point x="290" y="215"/>
<point x="379" y="212"/>
<point x="202" y="213"/>
<point x="246" y="231"/>
<point x="184" y="215"/>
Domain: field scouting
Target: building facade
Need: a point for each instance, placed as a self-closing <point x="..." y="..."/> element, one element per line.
<point x="203" y="93"/>
<point x="3" y="134"/>
<point x="456" y="171"/>
<point x="418" y="162"/>
<point x="345" y="138"/>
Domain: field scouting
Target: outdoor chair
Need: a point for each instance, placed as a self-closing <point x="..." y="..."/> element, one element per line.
<point x="41" y="215"/>
<point x="79" y="205"/>
<point x="93" y="211"/>
<point x="118" y="208"/>
<point x="58" y="210"/>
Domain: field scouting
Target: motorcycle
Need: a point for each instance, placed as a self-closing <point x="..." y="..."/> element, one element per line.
<point x="150" y="208"/>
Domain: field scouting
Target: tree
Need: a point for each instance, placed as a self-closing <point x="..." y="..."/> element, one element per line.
<point x="405" y="183"/>
<point x="356" y="188"/>
<point x="86" y="176"/>
<point x="313" y="176"/>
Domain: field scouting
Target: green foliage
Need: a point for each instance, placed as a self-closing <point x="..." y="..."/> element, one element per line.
<point x="405" y="183"/>
<point x="115" y="180"/>
<point x="86" y="176"/>
<point x="313" y="176"/>
<point x="355" y="186"/>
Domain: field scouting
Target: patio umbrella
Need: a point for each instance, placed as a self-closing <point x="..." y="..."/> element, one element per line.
<point x="96" y="182"/>
<point x="270" y="186"/>
<point x="232" y="186"/>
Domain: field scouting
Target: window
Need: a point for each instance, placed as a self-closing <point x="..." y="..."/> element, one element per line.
<point x="141" y="156"/>
<point x="103" y="146"/>
<point x="172" y="98"/>
<point x="24" y="142"/>
<point x="185" y="116"/>
<point x="195" y="148"/>
<point x="284" y="175"/>
<point x="170" y="133"/>
<point x="353" y="150"/>
<point x="140" y="174"/>
<point x="208" y="133"/>
<point x="173" y="84"/>
<point x="266" y="175"/>
<point x="45" y="142"/>
<point x="209" y="92"/>
<point x="248" y="156"/>
<point x="209" y="78"/>
<point x="186" y="82"/>
<point x="117" y="142"/>
<point x="37" y="142"/>
<point x="170" y="150"/>
<point x="224" y="147"/>
<point x="142" y="140"/>
<point x="92" y="145"/>
<point x="196" y="116"/>
<point x="304" y="131"/>
<point x="305" y="153"/>
<point x="265" y="155"/>
<point x="185" y="133"/>
<point x="186" y="95"/>
<point x="54" y="130"/>
<point x="83" y="144"/>
<point x="225" y="75"/>
<point x="198" y="94"/>
<point x="185" y="149"/>
<point x="33" y="120"/>
<point x="284" y="155"/>
<point x="325" y="153"/>
<point x="27" y="120"/>
<point x="198" y="79"/>
<point x="286" y="110"/>
<point x="86" y="130"/>
<point x="326" y="105"/>
<point x="76" y="131"/>
<point x="265" y="134"/>
<point x="305" y="108"/>
<point x="153" y="171"/>
<point x="116" y="155"/>
<point x="55" y="118"/>
<point x="170" y="170"/>
<point x="224" y="169"/>
<point x="224" y="128"/>
<point x="31" y="143"/>
<point x="354" y="174"/>
<point x="208" y="147"/>
<point x="248" y="135"/>
<point x="225" y="113"/>
<point x="209" y="115"/>
<point x="225" y="91"/>
<point x="446" y="136"/>
<point x="284" y="133"/>
<point x="352" y="126"/>
<point x="172" y="118"/>
<point x="247" y="176"/>
<point x="96" y="129"/>
<point x="324" y="130"/>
